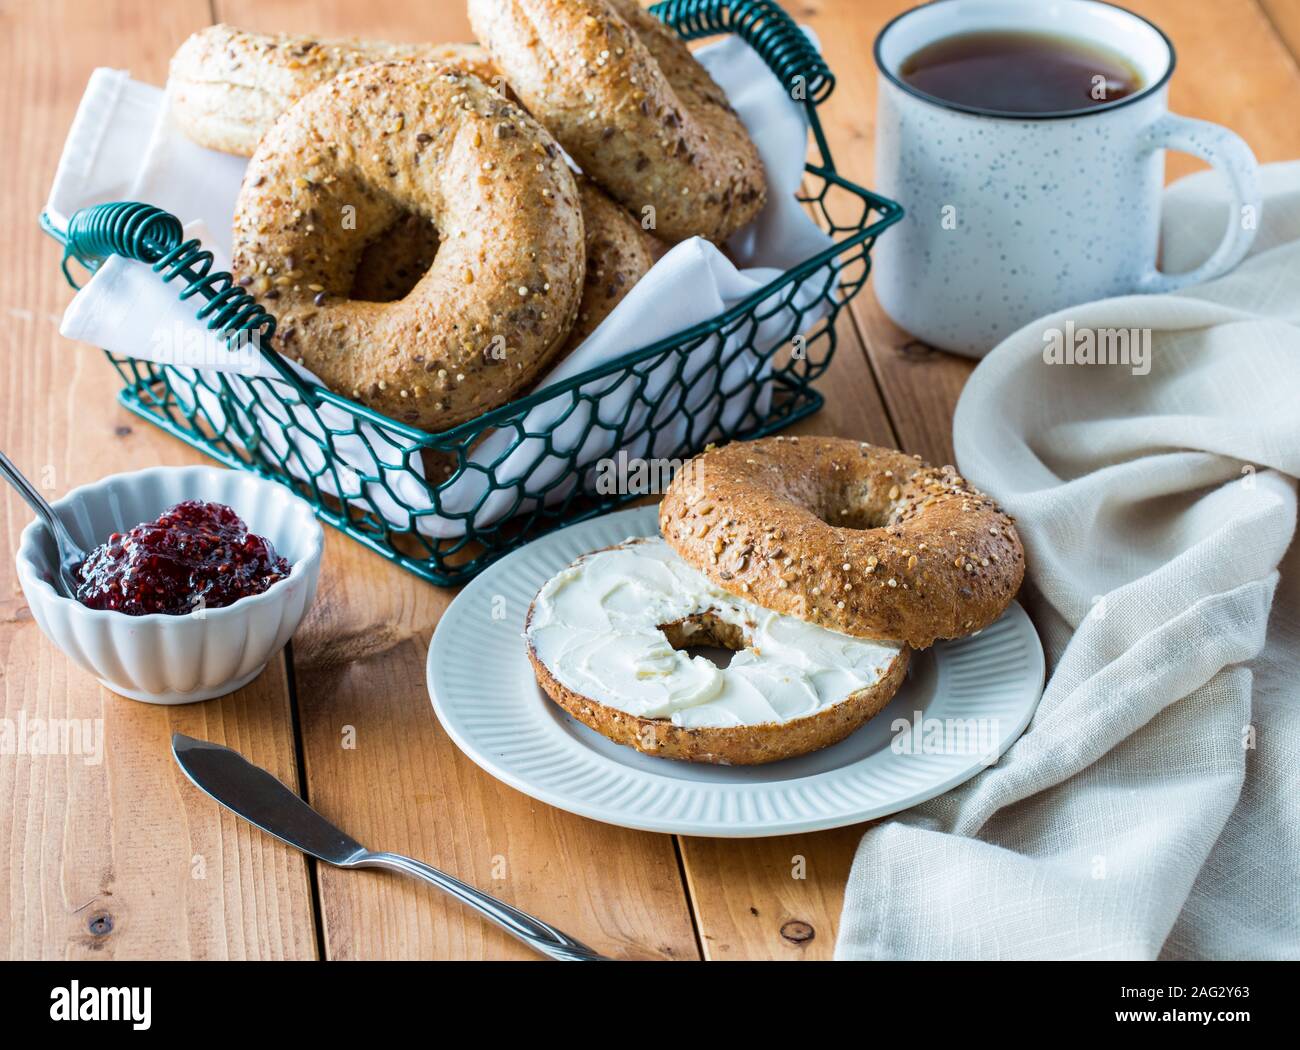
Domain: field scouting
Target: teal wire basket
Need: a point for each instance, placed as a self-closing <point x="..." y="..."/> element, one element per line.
<point x="445" y="505"/>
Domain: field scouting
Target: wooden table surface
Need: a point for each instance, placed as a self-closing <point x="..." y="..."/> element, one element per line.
<point x="125" y="859"/>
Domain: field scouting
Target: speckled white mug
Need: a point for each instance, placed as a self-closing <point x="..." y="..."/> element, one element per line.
<point x="1009" y="218"/>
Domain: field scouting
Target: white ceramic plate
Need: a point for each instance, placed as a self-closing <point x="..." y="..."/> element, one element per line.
<point x="973" y="698"/>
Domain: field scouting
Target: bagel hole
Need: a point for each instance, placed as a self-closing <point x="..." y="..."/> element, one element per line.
<point x="707" y="636"/>
<point x="853" y="518"/>
<point x="853" y="515"/>
<point x="393" y="262"/>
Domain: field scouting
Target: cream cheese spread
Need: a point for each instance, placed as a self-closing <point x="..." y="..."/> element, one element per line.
<point x="596" y="628"/>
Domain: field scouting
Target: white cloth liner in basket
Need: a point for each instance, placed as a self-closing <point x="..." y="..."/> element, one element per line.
<point x="124" y="146"/>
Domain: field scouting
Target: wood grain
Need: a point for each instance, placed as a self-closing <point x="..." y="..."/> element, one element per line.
<point x="360" y="663"/>
<point x="1233" y="69"/>
<point x="100" y="860"/>
<point x="1284" y="15"/>
<point x="121" y="857"/>
<point x="746" y="893"/>
<point x="770" y="899"/>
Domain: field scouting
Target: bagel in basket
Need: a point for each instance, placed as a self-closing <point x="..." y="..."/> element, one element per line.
<point x="609" y="640"/>
<point x="228" y="86"/>
<point x="626" y="99"/>
<point x="619" y="254"/>
<point x="372" y="145"/>
<point x="862" y="540"/>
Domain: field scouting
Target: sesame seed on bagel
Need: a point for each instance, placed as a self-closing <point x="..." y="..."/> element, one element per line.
<point x="360" y="152"/>
<point x="627" y="100"/>
<point x="867" y="541"/>
<point x="228" y="85"/>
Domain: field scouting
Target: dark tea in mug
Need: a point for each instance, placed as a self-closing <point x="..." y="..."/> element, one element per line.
<point x="1019" y="73"/>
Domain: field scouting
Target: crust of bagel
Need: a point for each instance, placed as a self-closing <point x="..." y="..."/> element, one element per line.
<point x="618" y="255"/>
<point x="726" y="745"/>
<point x="629" y="102"/>
<point x="228" y="86"/>
<point x="866" y="541"/>
<point x="498" y="303"/>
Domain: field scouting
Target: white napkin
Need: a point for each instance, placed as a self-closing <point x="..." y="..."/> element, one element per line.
<point x="126" y="309"/>
<point x="1151" y="808"/>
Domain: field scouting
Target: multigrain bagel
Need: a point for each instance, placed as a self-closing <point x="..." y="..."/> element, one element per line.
<point x="619" y="253"/>
<point x="727" y="745"/>
<point x="638" y="113"/>
<point x="351" y="158"/>
<point x="792" y="688"/>
<point x="228" y="86"/>
<point x="862" y="540"/>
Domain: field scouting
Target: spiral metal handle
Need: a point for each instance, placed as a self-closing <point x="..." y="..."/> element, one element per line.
<point x="151" y="235"/>
<point x="765" y="27"/>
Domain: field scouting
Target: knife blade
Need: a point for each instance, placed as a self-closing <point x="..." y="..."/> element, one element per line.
<point x="252" y="793"/>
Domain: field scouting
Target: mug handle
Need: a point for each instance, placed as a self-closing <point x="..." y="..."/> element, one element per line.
<point x="1225" y="150"/>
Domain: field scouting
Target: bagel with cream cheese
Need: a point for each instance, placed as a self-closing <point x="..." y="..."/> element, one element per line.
<point x="609" y="640"/>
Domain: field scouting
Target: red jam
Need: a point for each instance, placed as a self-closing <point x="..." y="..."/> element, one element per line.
<point x="195" y="556"/>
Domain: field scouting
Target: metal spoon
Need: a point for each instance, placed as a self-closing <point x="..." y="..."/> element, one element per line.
<point x="70" y="555"/>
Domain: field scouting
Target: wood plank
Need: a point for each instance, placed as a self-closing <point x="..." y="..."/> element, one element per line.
<point x="120" y="858"/>
<point x="359" y="662"/>
<point x="770" y="899"/>
<point x="780" y="898"/>
<point x="1284" y="15"/>
<point x="746" y="893"/>
<point x="1233" y="69"/>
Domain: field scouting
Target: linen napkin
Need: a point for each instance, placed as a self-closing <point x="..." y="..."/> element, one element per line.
<point x="1151" y="809"/>
<point x="125" y="309"/>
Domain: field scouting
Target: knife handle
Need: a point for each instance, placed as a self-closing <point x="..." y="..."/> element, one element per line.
<point x="539" y="935"/>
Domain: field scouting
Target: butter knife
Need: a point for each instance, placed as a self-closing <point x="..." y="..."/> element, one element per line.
<point x="252" y="793"/>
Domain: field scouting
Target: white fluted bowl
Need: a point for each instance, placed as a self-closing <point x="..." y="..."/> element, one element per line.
<point x="161" y="658"/>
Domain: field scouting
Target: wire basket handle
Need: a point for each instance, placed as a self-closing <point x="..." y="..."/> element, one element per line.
<point x="766" y="28"/>
<point x="156" y="237"/>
